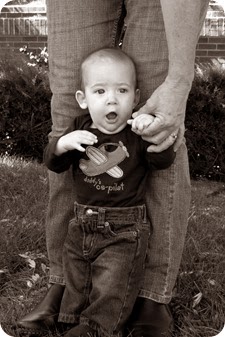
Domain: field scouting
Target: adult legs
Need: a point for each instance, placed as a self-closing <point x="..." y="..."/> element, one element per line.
<point x="168" y="200"/>
<point x="75" y="28"/>
<point x="168" y="192"/>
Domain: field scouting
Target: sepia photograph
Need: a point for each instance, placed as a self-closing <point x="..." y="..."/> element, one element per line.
<point x="112" y="168"/>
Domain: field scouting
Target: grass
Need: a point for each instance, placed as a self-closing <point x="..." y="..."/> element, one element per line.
<point x="24" y="197"/>
<point x="198" y="305"/>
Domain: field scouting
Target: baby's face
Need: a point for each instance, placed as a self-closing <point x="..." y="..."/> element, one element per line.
<point x="110" y="93"/>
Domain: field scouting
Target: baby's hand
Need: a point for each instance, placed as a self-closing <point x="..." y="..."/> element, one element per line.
<point x="140" y="123"/>
<point x="73" y="141"/>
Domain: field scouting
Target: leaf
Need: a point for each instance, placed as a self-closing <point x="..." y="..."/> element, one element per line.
<point x="44" y="267"/>
<point x="29" y="284"/>
<point x="31" y="263"/>
<point x="35" y="277"/>
<point x="212" y="282"/>
<point x="197" y="299"/>
<point x="25" y="256"/>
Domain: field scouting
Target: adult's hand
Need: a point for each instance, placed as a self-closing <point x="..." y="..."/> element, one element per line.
<point x="168" y="105"/>
<point x="183" y="20"/>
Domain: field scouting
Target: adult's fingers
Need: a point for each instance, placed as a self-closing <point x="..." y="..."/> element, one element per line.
<point x="180" y="137"/>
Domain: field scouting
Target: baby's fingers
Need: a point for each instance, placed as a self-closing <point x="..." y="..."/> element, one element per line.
<point x="80" y="148"/>
<point x="133" y="123"/>
<point x="141" y="122"/>
<point x="87" y="138"/>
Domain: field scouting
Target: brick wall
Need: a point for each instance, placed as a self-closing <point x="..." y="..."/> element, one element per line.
<point x="211" y="44"/>
<point x="211" y="47"/>
<point x="24" y="24"/>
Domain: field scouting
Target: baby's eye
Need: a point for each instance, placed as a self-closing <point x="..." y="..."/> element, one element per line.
<point x="122" y="90"/>
<point x="100" y="91"/>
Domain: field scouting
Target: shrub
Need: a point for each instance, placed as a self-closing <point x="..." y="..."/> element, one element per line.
<point x="36" y="59"/>
<point x="24" y="107"/>
<point x="205" y="123"/>
<point x="25" y="112"/>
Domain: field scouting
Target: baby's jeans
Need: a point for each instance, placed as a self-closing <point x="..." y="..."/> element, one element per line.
<point x="104" y="256"/>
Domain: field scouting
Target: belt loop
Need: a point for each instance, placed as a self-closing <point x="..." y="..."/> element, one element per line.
<point x="101" y="216"/>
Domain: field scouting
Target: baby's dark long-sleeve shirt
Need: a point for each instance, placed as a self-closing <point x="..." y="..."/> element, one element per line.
<point x="111" y="173"/>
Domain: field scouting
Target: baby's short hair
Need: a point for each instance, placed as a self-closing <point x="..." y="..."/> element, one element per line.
<point x="113" y="53"/>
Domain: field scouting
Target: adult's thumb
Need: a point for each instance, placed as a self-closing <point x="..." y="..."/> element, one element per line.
<point x="143" y="108"/>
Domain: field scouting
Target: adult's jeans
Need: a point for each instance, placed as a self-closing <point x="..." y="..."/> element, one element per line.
<point x="75" y="28"/>
<point x="104" y="256"/>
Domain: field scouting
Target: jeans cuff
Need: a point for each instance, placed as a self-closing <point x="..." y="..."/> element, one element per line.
<point x="57" y="279"/>
<point x="155" y="297"/>
<point x="68" y="318"/>
<point x="100" y="331"/>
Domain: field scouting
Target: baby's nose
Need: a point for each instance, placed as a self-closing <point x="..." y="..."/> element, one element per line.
<point x="111" y="99"/>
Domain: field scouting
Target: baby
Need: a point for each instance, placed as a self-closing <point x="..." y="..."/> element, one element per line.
<point x="107" y="241"/>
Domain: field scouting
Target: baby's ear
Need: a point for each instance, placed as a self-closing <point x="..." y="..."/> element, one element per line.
<point x="81" y="99"/>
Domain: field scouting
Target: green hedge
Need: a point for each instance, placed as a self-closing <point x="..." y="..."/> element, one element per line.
<point x="25" y="113"/>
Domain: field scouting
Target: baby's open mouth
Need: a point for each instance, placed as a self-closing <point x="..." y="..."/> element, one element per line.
<point x="111" y="115"/>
